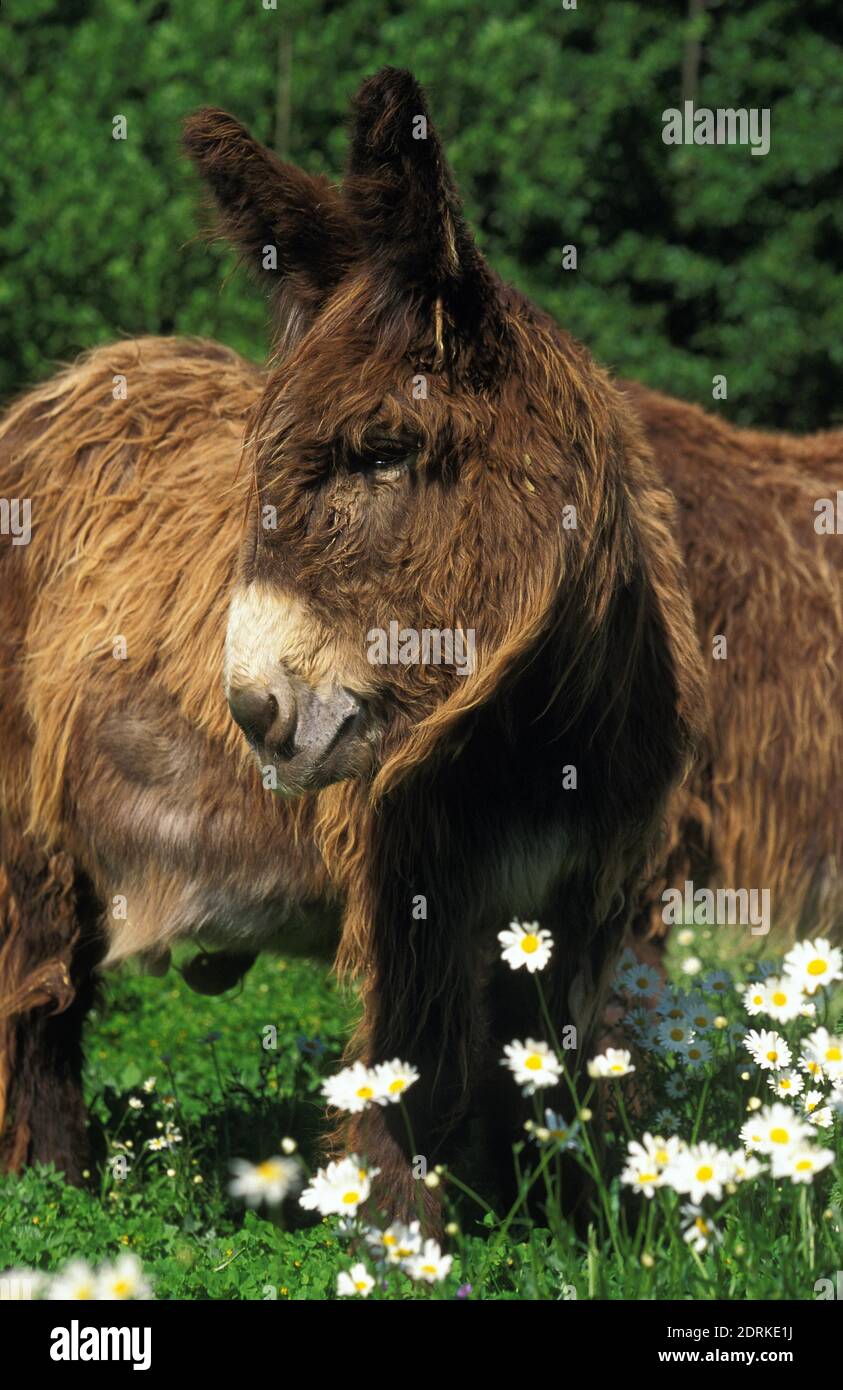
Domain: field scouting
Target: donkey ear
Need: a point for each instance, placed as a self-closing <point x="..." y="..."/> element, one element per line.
<point x="403" y="197"/>
<point x="291" y="228"/>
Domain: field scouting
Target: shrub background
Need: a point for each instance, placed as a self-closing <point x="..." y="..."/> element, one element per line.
<point x="692" y="260"/>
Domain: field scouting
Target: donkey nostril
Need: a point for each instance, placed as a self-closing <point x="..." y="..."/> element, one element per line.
<point x="255" y="711"/>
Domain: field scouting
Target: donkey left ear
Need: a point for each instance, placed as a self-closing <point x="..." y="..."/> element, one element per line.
<point x="290" y="227"/>
<point x="404" y="200"/>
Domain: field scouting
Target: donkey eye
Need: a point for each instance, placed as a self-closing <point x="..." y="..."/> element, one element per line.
<point x="384" y="461"/>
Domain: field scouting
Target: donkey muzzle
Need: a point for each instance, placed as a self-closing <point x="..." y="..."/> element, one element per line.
<point x="311" y="737"/>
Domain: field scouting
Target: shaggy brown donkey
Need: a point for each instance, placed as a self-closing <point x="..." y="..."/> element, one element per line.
<point x="416" y="454"/>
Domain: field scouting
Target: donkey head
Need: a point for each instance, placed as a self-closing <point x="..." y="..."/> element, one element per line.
<point x="442" y="477"/>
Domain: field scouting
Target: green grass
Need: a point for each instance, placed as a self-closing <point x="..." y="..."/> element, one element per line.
<point x="232" y="1097"/>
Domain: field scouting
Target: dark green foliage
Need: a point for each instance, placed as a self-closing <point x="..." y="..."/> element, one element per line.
<point x="692" y="260"/>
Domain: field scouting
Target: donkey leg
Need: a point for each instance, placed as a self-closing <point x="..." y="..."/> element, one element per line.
<point x="48" y="950"/>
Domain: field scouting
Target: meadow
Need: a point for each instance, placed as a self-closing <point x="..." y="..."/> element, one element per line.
<point x="712" y="1184"/>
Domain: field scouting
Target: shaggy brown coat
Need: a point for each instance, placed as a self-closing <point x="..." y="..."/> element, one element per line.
<point x="132" y="813"/>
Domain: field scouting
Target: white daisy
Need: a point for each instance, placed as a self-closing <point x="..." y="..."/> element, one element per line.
<point x="613" y="1063"/>
<point x="392" y="1080"/>
<point x="696" y="1052"/>
<point x="646" y="1162"/>
<point x="397" y="1243"/>
<point x="123" y="1280"/>
<point x="718" y="982"/>
<point x="827" y="1051"/>
<point x="755" y="998"/>
<point x="786" y="1084"/>
<point x="767" y="1049"/>
<point x="533" y="1065"/>
<point x="559" y="1131"/>
<point x="149" y="1084"/>
<point x="822" y="1116"/>
<point x="698" y="1014"/>
<point x="752" y="1134"/>
<point x="340" y="1188"/>
<point x="526" y="944"/>
<point x="135" y="1103"/>
<point x="352" y="1089"/>
<point x="268" y="1182"/>
<point x="801" y="1162"/>
<point x="699" y="1231"/>
<point x="430" y="1265"/>
<point x="814" y="963"/>
<point x="641" y="981"/>
<point x="783" y="998"/>
<point x="675" y="1034"/>
<point x="744" y="1166"/>
<point x="780" y="1128"/>
<point x="356" y="1282"/>
<point x="77" y="1282"/>
<point x="700" y="1170"/>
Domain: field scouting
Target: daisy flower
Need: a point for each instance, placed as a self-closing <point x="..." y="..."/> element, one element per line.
<point x="696" y="1052"/>
<point x="356" y="1282"/>
<point x="123" y="1280"/>
<point x="672" y="1004"/>
<point x="430" y="1265"/>
<point x="752" y="1134"/>
<point x="149" y="1084"/>
<point x="352" y="1089"/>
<point x="744" y="1166"/>
<point x="767" y="1049"/>
<point x="718" y="982"/>
<point x="77" y="1282"/>
<point x="801" y="1163"/>
<point x="614" y="1062"/>
<point x="675" y="1034"/>
<point x="698" y="1014"/>
<point x="340" y="1188"/>
<point x="675" y="1086"/>
<point x="641" y="981"/>
<point x="783" y="999"/>
<point x="813" y="963"/>
<point x="827" y="1051"/>
<point x="526" y="945"/>
<point x="780" y="1128"/>
<point x="392" y="1080"/>
<point x="786" y="1084"/>
<point x="665" y="1119"/>
<point x="822" y="1116"/>
<point x="700" y="1170"/>
<point x="268" y="1182"/>
<point x="135" y="1103"/>
<point x="397" y="1243"/>
<point x="691" y="965"/>
<point x="646" y="1162"/>
<point x="699" y="1231"/>
<point x="533" y="1065"/>
<point x="560" y="1131"/>
<point x="755" y="998"/>
<point x="21" y="1285"/>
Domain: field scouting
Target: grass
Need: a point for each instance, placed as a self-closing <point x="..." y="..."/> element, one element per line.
<point x="230" y="1095"/>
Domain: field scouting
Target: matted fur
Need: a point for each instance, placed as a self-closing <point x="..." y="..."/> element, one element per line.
<point x="121" y="769"/>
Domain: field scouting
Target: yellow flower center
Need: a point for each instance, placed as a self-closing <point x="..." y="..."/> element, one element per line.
<point x="648" y="1177"/>
<point x="779" y="1136"/>
<point x="388" y="1239"/>
<point x="428" y="1269"/>
<point x="702" y="1226"/>
<point x="360" y="1284"/>
<point x="84" y="1292"/>
<point x="122" y="1288"/>
<point x="533" y="1062"/>
<point x="267" y="1169"/>
<point x="779" y="998"/>
<point x="677" y="1034"/>
<point x="661" y="1155"/>
<point x="694" y="1054"/>
<point x="758" y="998"/>
<point x="365" y="1092"/>
<point x="705" y="1173"/>
<point x="817" y="967"/>
<point x="351" y="1198"/>
<point x="642" y="982"/>
<point x="833" y="1054"/>
<point x="804" y="1165"/>
<point x="771" y="1056"/>
<point x="396" y="1086"/>
<point x="784" y="1084"/>
<point x="617" y="1066"/>
<point x="529" y="944"/>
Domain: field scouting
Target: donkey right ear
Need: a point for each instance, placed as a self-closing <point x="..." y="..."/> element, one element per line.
<point x="290" y="227"/>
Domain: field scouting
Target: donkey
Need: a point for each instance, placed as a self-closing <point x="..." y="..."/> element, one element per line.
<point x="414" y="453"/>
